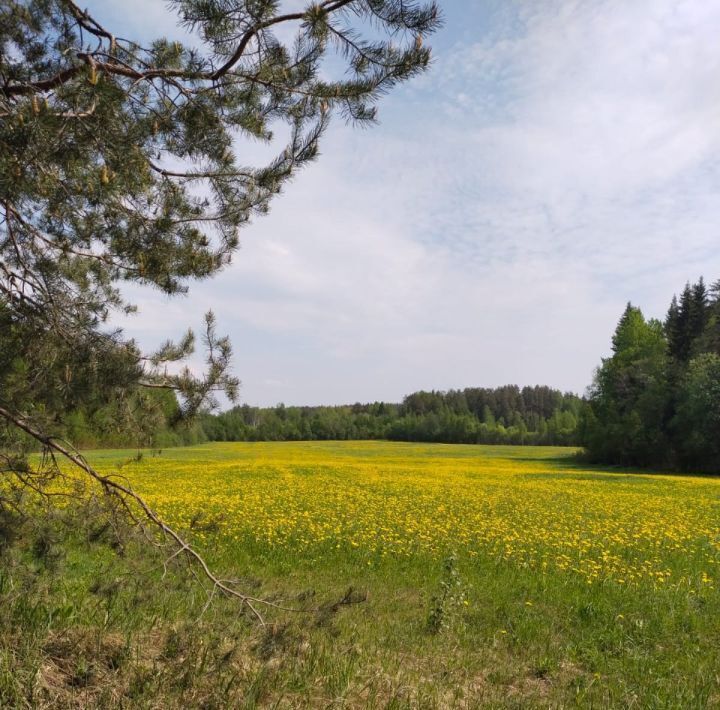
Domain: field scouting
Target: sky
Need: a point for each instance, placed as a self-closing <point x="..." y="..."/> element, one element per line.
<point x="560" y="159"/>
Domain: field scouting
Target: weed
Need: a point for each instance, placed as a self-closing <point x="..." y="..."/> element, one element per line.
<point x="450" y="598"/>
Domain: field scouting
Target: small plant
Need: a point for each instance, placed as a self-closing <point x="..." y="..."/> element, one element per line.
<point x="449" y="599"/>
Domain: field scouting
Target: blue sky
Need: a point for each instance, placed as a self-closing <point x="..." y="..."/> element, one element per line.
<point x="560" y="159"/>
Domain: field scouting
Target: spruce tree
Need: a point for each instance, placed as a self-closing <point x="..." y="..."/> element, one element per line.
<point x="681" y="347"/>
<point x="673" y="328"/>
<point x="711" y="336"/>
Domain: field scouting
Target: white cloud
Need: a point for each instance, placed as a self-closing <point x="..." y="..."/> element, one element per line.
<point x="492" y="228"/>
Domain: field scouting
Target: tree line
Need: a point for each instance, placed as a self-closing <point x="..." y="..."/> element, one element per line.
<point x="656" y="400"/>
<point x="505" y="415"/>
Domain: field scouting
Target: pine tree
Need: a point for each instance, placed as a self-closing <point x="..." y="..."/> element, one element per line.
<point x="122" y="163"/>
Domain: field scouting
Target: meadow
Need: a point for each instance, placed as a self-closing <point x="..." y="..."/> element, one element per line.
<point x="428" y="576"/>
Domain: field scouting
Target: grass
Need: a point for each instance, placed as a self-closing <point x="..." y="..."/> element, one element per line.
<point x="480" y="576"/>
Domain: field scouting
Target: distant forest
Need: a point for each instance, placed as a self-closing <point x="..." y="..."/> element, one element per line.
<point x="505" y="415"/>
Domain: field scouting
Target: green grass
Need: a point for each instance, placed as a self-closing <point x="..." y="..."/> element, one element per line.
<point x="89" y="624"/>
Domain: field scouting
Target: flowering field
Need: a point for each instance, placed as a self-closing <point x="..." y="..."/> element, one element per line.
<point x="372" y="503"/>
<point x="503" y="577"/>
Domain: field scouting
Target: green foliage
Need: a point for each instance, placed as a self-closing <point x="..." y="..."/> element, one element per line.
<point x="628" y="396"/>
<point x="655" y="401"/>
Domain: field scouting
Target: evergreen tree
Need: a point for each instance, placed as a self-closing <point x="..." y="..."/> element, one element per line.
<point x="673" y="328"/>
<point x="710" y="339"/>
<point x="681" y="349"/>
<point x="698" y="316"/>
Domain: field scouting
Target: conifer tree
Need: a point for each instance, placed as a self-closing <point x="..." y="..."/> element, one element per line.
<point x="673" y="328"/>
<point x="698" y="315"/>
<point x="681" y="349"/>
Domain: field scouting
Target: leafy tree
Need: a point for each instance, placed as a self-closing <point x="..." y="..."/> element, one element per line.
<point x="628" y="394"/>
<point x="123" y="163"/>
